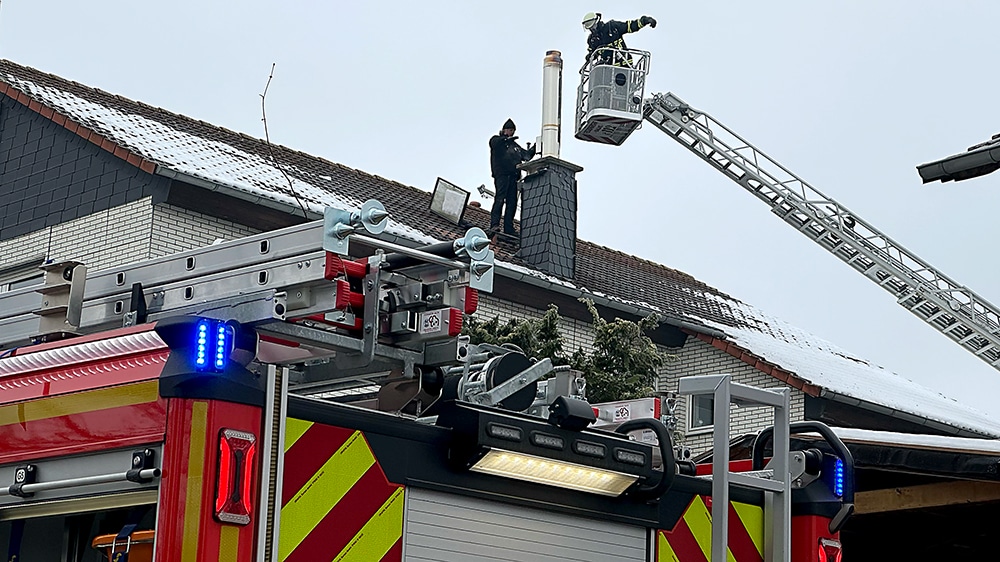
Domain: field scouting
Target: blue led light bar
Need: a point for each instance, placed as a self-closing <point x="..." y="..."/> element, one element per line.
<point x="838" y="478"/>
<point x="202" y="344"/>
<point x="221" y="339"/>
<point x="213" y="342"/>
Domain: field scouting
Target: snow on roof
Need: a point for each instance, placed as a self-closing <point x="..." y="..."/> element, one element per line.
<point x="243" y="163"/>
<point x="930" y="442"/>
<point x="823" y="364"/>
<point x="814" y="360"/>
<point x="199" y="157"/>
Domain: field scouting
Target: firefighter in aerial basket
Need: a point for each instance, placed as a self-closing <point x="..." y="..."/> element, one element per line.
<point x="608" y="34"/>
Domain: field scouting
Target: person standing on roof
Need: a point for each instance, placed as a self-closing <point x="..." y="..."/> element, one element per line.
<point x="609" y="34"/>
<point x="505" y="155"/>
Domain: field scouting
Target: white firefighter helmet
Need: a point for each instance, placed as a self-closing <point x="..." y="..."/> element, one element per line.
<point x="590" y="19"/>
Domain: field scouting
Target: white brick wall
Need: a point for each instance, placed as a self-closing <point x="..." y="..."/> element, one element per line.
<point x="117" y="235"/>
<point x="129" y="233"/>
<point x="700" y="358"/>
<point x="176" y="230"/>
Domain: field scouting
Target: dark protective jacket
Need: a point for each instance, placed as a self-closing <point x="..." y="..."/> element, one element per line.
<point x="506" y="154"/>
<point x="609" y="34"/>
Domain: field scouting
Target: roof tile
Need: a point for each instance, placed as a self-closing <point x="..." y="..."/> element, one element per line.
<point x="238" y="161"/>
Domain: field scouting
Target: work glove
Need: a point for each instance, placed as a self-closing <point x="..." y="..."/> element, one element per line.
<point x="646" y="20"/>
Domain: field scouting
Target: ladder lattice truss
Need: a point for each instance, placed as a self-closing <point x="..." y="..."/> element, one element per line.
<point x="949" y="307"/>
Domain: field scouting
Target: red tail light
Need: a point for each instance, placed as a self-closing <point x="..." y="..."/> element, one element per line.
<point x="829" y="550"/>
<point x="234" y="491"/>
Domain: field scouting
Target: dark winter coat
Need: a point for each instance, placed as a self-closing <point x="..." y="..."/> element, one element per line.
<point x="506" y="154"/>
<point x="609" y="34"/>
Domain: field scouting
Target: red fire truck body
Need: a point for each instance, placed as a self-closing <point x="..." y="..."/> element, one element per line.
<point x="177" y="438"/>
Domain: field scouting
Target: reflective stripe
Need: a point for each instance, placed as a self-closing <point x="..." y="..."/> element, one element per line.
<point x="322" y="492"/>
<point x="195" y="484"/>
<point x="752" y="517"/>
<point x="90" y="401"/>
<point x="229" y="543"/>
<point x="295" y="428"/>
<point x="699" y="520"/>
<point x="379" y="534"/>
<point x="682" y="546"/>
<point x="691" y="538"/>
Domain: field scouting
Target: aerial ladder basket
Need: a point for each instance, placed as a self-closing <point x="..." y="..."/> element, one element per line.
<point x="609" y="98"/>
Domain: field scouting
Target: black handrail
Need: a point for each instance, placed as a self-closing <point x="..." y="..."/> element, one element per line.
<point x="666" y="452"/>
<point x="839" y="449"/>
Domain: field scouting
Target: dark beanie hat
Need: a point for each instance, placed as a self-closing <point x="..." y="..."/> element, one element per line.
<point x="508" y="124"/>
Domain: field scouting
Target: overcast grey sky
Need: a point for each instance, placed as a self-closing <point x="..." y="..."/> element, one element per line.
<point x="849" y="95"/>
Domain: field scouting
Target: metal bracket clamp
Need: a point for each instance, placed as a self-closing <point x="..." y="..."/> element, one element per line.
<point x="23" y="475"/>
<point x="336" y="230"/>
<point x="481" y="272"/>
<point x="338" y="225"/>
<point x="370" y="327"/>
<point x="142" y="461"/>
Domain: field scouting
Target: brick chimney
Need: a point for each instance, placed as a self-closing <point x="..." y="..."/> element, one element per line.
<point x="548" y="216"/>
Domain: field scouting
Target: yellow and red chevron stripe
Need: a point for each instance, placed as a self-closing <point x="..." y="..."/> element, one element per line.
<point x="691" y="539"/>
<point x="336" y="502"/>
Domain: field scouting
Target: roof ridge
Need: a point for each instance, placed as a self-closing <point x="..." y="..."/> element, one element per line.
<point x="241" y="134"/>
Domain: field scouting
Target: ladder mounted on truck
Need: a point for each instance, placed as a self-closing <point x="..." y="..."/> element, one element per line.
<point x="949" y="307"/>
<point x="344" y="321"/>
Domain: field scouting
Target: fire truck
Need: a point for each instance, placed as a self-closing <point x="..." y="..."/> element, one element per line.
<point x="306" y="394"/>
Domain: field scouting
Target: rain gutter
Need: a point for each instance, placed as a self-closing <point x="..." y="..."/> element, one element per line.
<point x="905" y="416"/>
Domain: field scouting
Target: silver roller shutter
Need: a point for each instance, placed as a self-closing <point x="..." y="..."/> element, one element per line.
<point x="451" y="528"/>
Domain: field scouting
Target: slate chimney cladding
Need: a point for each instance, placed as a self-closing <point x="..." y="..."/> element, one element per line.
<point x="548" y="216"/>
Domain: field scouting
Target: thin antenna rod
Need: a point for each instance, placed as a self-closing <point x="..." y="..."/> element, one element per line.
<point x="270" y="149"/>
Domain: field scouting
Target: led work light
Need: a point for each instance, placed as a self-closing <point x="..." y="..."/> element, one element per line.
<point x="525" y="448"/>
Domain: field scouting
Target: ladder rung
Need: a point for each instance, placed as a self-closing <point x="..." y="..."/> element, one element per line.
<point x="766" y="474"/>
<point x="936" y="315"/>
<point x="967" y="338"/>
<point x="984" y="349"/>
<point x="952" y="326"/>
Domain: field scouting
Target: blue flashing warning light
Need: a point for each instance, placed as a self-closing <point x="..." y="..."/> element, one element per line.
<point x="213" y="341"/>
<point x="838" y="478"/>
<point x="221" y="341"/>
<point x="202" y="344"/>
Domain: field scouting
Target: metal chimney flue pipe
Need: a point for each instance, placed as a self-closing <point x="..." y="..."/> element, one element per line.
<point x="551" y="103"/>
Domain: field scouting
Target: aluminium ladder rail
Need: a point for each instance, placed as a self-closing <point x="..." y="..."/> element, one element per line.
<point x="951" y="308"/>
<point x="263" y="280"/>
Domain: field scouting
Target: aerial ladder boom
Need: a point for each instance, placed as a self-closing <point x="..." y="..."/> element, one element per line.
<point x="947" y="306"/>
<point x="951" y="308"/>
